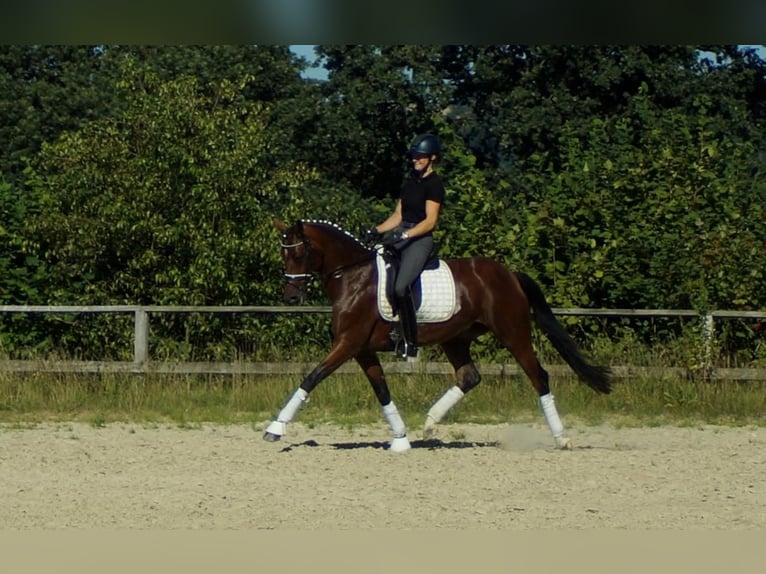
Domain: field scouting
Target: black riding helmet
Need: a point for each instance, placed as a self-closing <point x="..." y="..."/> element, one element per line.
<point x="425" y="144"/>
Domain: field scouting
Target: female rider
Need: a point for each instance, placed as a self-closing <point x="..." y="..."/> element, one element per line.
<point x="412" y="223"/>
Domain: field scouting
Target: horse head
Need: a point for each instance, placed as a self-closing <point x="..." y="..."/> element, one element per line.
<point x="300" y="259"/>
<point x="315" y="247"/>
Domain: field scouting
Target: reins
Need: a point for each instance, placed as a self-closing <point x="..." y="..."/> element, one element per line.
<point x="337" y="272"/>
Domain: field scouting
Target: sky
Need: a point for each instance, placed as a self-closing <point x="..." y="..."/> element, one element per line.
<point x="307" y="51"/>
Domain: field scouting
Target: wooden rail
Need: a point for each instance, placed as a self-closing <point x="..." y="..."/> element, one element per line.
<point x="142" y="364"/>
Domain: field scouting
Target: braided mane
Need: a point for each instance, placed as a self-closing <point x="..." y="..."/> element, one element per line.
<point x="335" y="226"/>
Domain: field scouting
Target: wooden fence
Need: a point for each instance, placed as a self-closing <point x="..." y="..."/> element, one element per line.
<point x="142" y="363"/>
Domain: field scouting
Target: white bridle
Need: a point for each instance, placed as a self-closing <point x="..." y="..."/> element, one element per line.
<point x="296" y="276"/>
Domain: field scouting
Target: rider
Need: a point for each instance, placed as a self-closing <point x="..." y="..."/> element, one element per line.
<point x="412" y="223"/>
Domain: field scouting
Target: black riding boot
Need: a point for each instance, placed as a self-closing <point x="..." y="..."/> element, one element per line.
<point x="408" y="345"/>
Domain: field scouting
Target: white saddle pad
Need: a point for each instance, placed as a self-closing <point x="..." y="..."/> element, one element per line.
<point x="439" y="296"/>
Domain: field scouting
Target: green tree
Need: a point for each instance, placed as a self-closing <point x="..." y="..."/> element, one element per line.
<point x="44" y="91"/>
<point x="165" y="204"/>
<point x="376" y="100"/>
<point x="169" y="203"/>
<point x="659" y="218"/>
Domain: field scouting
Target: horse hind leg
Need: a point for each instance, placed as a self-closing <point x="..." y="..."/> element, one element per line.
<point x="548" y="406"/>
<point x="458" y="353"/>
<point x="520" y="347"/>
<point x="440" y="408"/>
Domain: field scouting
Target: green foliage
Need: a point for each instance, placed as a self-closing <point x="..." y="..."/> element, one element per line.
<point x="664" y="223"/>
<point x="44" y="91"/>
<point x="20" y="273"/>
<point x="376" y="100"/>
<point x="618" y="176"/>
<point x="169" y="203"/>
<point x="47" y="90"/>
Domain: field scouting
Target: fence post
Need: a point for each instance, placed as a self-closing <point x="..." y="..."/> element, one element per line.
<point x="707" y="348"/>
<point x="141" y="337"/>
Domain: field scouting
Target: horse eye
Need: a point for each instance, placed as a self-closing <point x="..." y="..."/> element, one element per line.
<point x="298" y="256"/>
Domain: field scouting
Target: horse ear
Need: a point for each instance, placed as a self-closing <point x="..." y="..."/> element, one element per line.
<point x="279" y="225"/>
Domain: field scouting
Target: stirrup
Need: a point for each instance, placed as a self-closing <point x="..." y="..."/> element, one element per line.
<point x="405" y="349"/>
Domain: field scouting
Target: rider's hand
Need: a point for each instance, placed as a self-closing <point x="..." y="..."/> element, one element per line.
<point x="371" y="235"/>
<point x="395" y="237"/>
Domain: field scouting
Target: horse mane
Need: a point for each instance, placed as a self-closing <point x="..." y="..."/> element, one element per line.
<point x="334" y="226"/>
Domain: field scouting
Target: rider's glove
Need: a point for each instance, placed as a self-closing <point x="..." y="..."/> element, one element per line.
<point x="371" y="235"/>
<point x="396" y="236"/>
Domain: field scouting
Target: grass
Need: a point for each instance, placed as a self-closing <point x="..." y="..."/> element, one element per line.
<point x="347" y="400"/>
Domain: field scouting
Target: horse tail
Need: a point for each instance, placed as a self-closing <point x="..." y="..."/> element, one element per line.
<point x="597" y="377"/>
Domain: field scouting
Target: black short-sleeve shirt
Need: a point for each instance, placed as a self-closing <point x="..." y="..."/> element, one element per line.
<point x="414" y="194"/>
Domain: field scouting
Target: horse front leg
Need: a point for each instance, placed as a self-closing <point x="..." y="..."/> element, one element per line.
<point x="278" y="427"/>
<point x="374" y="372"/>
<point x="338" y="355"/>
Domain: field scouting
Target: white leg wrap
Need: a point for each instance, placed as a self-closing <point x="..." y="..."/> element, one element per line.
<point x="552" y="416"/>
<point x="288" y="412"/>
<point x="391" y="413"/>
<point x="400" y="442"/>
<point x="448" y="400"/>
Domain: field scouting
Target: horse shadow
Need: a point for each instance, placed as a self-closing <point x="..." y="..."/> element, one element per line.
<point x="427" y="444"/>
<point x="434" y="444"/>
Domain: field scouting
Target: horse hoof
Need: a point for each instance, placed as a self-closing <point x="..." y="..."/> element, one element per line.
<point x="564" y="443"/>
<point x="271" y="437"/>
<point x="400" y="444"/>
<point x="429" y="429"/>
<point x="274" y="431"/>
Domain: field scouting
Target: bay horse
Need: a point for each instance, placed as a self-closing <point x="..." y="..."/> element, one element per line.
<point x="492" y="298"/>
